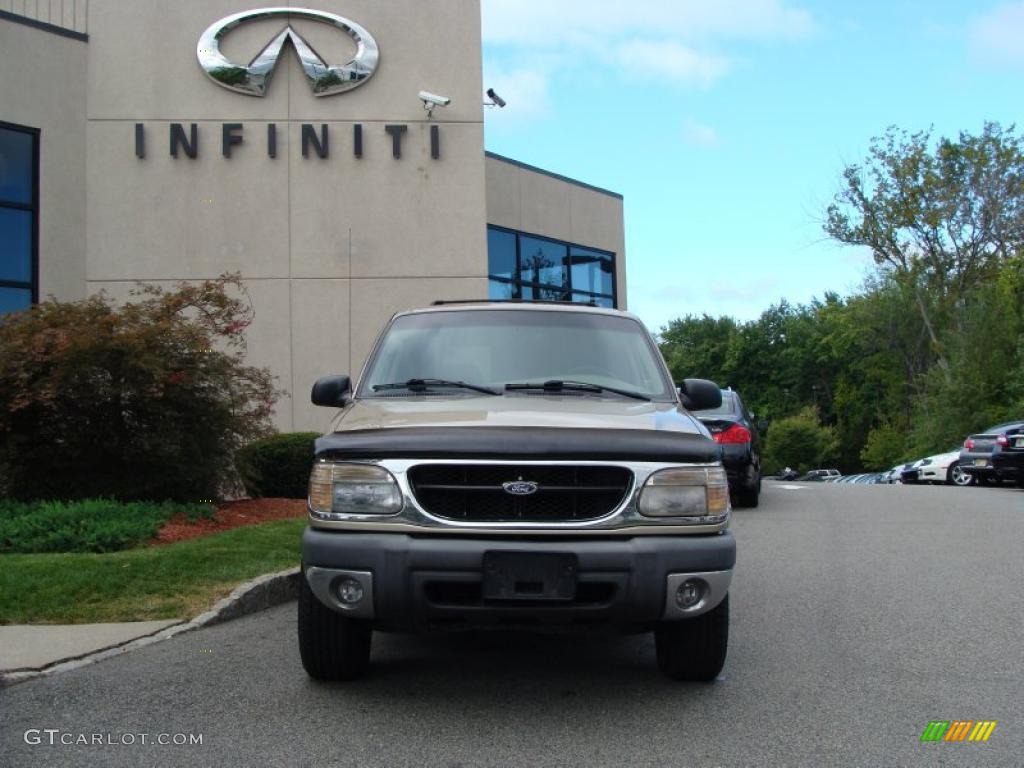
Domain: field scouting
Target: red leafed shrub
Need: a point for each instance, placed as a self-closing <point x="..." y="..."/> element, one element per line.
<point x="144" y="400"/>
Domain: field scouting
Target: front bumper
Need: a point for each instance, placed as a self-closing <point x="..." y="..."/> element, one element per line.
<point x="422" y="582"/>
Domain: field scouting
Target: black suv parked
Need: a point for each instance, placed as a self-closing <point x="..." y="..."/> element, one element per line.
<point x="733" y="427"/>
<point x="995" y="455"/>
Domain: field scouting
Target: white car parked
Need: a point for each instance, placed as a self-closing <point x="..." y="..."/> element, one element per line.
<point x="943" y="468"/>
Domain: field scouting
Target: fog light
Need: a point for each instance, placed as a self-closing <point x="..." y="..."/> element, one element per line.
<point x="690" y="593"/>
<point x="350" y="591"/>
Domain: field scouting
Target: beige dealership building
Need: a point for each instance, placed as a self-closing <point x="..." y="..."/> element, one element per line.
<point x="145" y="140"/>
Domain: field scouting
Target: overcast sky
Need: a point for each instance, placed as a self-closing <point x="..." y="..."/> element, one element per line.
<point x="726" y="123"/>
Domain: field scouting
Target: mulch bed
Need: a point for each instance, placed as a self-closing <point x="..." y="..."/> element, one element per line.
<point x="230" y="514"/>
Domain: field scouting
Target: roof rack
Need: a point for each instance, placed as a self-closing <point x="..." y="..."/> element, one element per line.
<point x="443" y="302"/>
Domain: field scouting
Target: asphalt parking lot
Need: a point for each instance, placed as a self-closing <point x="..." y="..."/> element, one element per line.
<point x="859" y="615"/>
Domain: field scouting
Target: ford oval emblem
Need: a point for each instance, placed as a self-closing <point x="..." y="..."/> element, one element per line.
<point x="520" y="487"/>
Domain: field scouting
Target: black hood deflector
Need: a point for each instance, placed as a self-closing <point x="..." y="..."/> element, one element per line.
<point x="519" y="443"/>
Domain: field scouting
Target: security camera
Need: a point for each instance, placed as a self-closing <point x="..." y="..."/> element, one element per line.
<point x="431" y="100"/>
<point x="496" y="100"/>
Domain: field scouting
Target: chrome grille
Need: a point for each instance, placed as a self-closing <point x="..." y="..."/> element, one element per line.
<point x="474" y="492"/>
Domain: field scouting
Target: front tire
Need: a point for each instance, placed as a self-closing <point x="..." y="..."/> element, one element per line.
<point x="332" y="646"/>
<point x="957" y="476"/>
<point x="694" y="649"/>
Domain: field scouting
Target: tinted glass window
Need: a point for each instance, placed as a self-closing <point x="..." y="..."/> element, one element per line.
<point x="542" y="261"/>
<point x="18" y="212"/>
<point x="15" y="245"/>
<point x="15" y="166"/>
<point x="544" y="269"/>
<point x="498" y="347"/>
<point x="13" y="299"/>
<point x="727" y="408"/>
<point x="501" y="253"/>
<point x="591" y="270"/>
<point x="499" y="290"/>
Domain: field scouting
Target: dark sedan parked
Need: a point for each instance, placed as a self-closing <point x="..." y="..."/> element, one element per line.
<point x="733" y="427"/>
<point x="995" y="455"/>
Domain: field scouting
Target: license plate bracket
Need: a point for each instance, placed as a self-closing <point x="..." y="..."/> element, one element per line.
<point x="981" y="462"/>
<point x="529" y="575"/>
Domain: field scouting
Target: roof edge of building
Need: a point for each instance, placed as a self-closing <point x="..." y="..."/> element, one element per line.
<point x="551" y="174"/>
<point x="44" y="26"/>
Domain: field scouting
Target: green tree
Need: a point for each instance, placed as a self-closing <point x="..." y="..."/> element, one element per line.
<point x="885" y="446"/>
<point x="800" y="442"/>
<point x="983" y="382"/>
<point x="698" y="347"/>
<point x="941" y="221"/>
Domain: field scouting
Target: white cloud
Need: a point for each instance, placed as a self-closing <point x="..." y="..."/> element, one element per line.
<point x="700" y="135"/>
<point x="743" y="297"/>
<point x="670" y="292"/>
<point x="543" y="22"/>
<point x="671" y="60"/>
<point x="674" y="41"/>
<point x="997" y="37"/>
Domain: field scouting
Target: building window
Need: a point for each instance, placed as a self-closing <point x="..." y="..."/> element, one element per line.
<point x="19" y="217"/>
<point x="524" y="266"/>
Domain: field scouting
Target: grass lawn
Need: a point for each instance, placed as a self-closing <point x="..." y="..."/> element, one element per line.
<point x="172" y="581"/>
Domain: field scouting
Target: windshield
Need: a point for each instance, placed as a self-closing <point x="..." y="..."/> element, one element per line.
<point x="492" y="348"/>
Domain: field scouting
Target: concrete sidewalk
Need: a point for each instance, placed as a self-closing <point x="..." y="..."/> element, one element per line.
<point x="34" y="647"/>
<point x="30" y="651"/>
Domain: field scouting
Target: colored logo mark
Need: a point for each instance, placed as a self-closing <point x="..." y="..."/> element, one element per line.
<point x="958" y="730"/>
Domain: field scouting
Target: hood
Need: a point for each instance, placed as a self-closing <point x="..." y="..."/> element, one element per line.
<point x="517" y="411"/>
<point x="550" y="427"/>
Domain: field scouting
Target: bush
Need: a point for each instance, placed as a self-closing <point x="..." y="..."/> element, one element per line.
<point x="800" y="442"/>
<point x="131" y="401"/>
<point x="93" y="525"/>
<point x="278" y="466"/>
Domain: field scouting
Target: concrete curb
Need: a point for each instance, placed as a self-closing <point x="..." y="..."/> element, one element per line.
<point x="250" y="597"/>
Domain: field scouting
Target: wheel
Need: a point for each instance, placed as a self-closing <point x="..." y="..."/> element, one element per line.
<point x="957" y="476"/>
<point x="745" y="492"/>
<point x="694" y="649"/>
<point x="747" y="497"/>
<point x="332" y="646"/>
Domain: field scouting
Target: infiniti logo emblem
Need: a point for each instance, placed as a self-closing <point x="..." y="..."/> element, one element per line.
<point x="254" y="79"/>
<point x="520" y="487"/>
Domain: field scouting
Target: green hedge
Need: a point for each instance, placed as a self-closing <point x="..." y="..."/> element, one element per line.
<point x="91" y="525"/>
<point x="278" y="466"/>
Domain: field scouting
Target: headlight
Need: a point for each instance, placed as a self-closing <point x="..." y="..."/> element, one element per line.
<point x="698" y="494"/>
<point x="353" y="489"/>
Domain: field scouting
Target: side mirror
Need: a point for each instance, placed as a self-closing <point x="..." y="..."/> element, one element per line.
<point x="332" y="391"/>
<point x="700" y="394"/>
<point x="762" y="425"/>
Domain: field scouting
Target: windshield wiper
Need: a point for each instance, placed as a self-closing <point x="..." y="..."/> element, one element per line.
<point x="575" y="386"/>
<point x="422" y="385"/>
